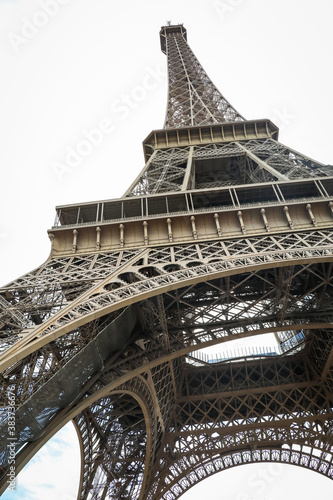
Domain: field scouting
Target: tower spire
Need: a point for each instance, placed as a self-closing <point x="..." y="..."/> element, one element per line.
<point x="193" y="99"/>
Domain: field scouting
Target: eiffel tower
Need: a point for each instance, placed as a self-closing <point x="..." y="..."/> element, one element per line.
<point x="226" y="234"/>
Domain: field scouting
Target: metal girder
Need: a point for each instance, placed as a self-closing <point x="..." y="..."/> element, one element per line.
<point x="168" y="167"/>
<point x="135" y="281"/>
<point x="226" y="234"/>
<point x="192" y="99"/>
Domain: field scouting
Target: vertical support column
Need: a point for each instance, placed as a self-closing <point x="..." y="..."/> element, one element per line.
<point x="170" y="234"/>
<point x="145" y="232"/>
<point x="290" y="222"/>
<point x="194" y="229"/>
<point x="98" y="238"/>
<point x="121" y="235"/>
<point x="264" y="218"/>
<point x="188" y="178"/>
<point x="74" y="246"/>
<point x="217" y="223"/>
<point x="312" y="217"/>
<point x="241" y="221"/>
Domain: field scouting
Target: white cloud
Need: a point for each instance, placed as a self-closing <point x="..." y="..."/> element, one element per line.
<point x="54" y="471"/>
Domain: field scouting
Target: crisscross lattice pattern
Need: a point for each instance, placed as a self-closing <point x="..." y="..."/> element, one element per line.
<point x="193" y="98"/>
<point x="107" y="332"/>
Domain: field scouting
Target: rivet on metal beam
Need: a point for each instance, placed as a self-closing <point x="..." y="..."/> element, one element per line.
<point x="121" y="238"/>
<point x="194" y="229"/>
<point x="74" y="246"/>
<point x="170" y="234"/>
<point x="286" y="211"/>
<point x="312" y="217"/>
<point x="241" y="221"/>
<point x="98" y="238"/>
<point x="264" y="218"/>
<point x="145" y="232"/>
<point x="217" y="223"/>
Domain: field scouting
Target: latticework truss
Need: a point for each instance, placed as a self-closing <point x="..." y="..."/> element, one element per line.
<point x="225" y="164"/>
<point x="225" y="235"/>
<point x="193" y="98"/>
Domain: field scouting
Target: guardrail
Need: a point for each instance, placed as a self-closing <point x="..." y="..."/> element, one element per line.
<point x="288" y="345"/>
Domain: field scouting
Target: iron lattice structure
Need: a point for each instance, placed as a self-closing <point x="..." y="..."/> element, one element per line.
<point x="226" y="234"/>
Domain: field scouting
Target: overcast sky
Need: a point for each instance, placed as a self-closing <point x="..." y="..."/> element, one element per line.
<point x="68" y="65"/>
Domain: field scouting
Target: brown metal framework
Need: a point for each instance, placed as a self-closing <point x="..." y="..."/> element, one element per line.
<point x="226" y="234"/>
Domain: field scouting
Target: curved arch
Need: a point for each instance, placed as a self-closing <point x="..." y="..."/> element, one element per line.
<point x="138" y="389"/>
<point x="94" y="305"/>
<point x="121" y="436"/>
<point x="194" y="278"/>
<point x="138" y="367"/>
<point x="258" y="445"/>
<point x="201" y="470"/>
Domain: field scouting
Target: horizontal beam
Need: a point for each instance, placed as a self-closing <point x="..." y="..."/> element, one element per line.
<point x="207" y="224"/>
<point x="245" y="392"/>
<point x="209" y="134"/>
